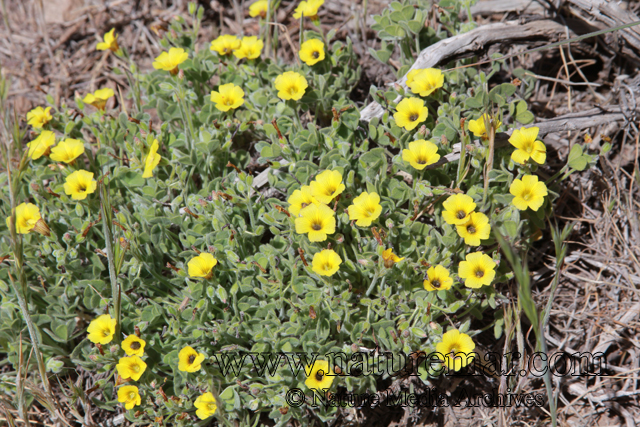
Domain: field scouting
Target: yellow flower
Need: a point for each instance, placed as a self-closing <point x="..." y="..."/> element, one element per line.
<point x="318" y="221"/>
<point x="110" y="42"/>
<point x="39" y="117"/>
<point x="27" y="215"/>
<point x="528" y="192"/>
<point x="129" y="395"/>
<point x="169" y="61"/>
<point x="202" y="265"/>
<point x="258" y="8"/>
<point x="206" y="405"/>
<point x="410" y="113"/>
<point x="133" y="346"/>
<point x="476" y="229"/>
<point x="437" y="279"/>
<point x="327" y="186"/>
<point x="40" y="146"/>
<point x="421" y="154"/>
<point x="311" y="51"/>
<point x="527" y="146"/>
<point x="190" y="360"/>
<point x="101" y="329"/>
<point x="67" y="150"/>
<point x="326" y="262"/>
<point x="456" y="349"/>
<point x="479" y="128"/>
<point x="308" y="8"/>
<point x="425" y="81"/>
<point x="320" y="377"/>
<point x="225" y="44"/>
<point x="131" y="367"/>
<point x="477" y="270"/>
<point x="300" y="199"/>
<point x="79" y="184"/>
<point x="152" y="160"/>
<point x="291" y="85"/>
<point x="99" y="98"/>
<point x="457" y="209"/>
<point x="365" y="209"/>
<point x="390" y="258"/>
<point x="250" y="48"/>
<point x="228" y="97"/>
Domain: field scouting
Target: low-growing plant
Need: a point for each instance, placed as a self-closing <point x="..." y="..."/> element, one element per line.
<point x="148" y="255"/>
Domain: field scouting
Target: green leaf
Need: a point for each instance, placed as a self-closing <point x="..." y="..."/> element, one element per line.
<point x="132" y="179"/>
<point x="576" y="159"/>
<point x="525" y="117"/>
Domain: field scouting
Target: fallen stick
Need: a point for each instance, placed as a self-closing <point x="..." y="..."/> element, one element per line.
<point x="491" y="7"/>
<point x="567" y="122"/>
<point x="476" y="42"/>
<point x="602" y="14"/>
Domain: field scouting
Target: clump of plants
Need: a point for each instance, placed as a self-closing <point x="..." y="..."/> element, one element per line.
<point x="139" y="246"/>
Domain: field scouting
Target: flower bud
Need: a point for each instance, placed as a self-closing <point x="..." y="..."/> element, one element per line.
<point x="406" y="333"/>
<point x="42" y="228"/>
<point x="355" y="348"/>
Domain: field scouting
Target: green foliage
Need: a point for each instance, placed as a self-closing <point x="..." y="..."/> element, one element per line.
<point x="125" y="249"/>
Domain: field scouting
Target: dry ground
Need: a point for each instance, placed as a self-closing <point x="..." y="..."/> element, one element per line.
<point x="47" y="47"/>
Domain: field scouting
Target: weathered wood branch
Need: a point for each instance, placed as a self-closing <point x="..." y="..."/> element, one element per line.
<point x="572" y="121"/>
<point x="601" y="14"/>
<point x="491" y="7"/>
<point x="475" y="42"/>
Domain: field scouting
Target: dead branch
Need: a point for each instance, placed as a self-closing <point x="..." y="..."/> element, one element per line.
<point x="600" y="14"/>
<point x="491" y="7"/>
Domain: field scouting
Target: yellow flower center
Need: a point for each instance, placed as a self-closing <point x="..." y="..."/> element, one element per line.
<point x="192" y="358"/>
<point x="81" y="187"/>
<point x="303" y="205"/>
<point x="529" y="147"/>
<point x="292" y="90"/>
<point x="135" y="345"/>
<point x="136" y="368"/>
<point x="319" y="375"/>
<point x="435" y="283"/>
<point x="471" y="229"/>
<point x="461" y="214"/>
<point x="106" y="332"/>
<point x="330" y="190"/>
<point x="211" y="407"/>
<point x="317" y="226"/>
<point x="315" y="54"/>
<point x="452" y="353"/>
<point x="479" y="273"/>
<point x="421" y="161"/>
<point x="526" y="196"/>
<point x="132" y="396"/>
<point x="327" y="266"/>
<point x="413" y="117"/>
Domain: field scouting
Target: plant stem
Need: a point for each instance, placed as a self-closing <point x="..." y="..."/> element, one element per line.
<point x="108" y="238"/>
<point x="373" y="283"/>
